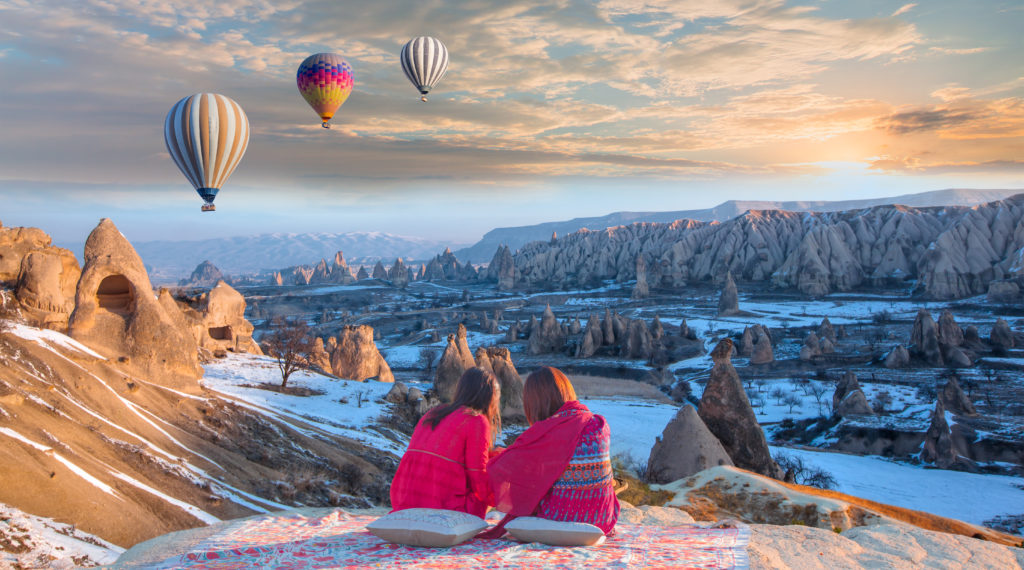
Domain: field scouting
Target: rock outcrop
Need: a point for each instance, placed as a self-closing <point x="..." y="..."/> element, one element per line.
<point x="826" y="331"/>
<point x="205" y="274"/>
<point x="955" y="400"/>
<point x="950" y="333"/>
<point x="355" y="356"/>
<point x="685" y="447"/>
<point x="548" y="336"/>
<point x="726" y="412"/>
<point x="117" y="314"/>
<point x="217" y="321"/>
<point x="593" y="338"/>
<point x="848" y="398"/>
<point x="729" y="300"/>
<point x="641" y="290"/>
<point x="924" y="339"/>
<point x="362" y="274"/>
<point x="762" y="351"/>
<point x="499" y="361"/>
<point x="379" y="272"/>
<point x="811" y="347"/>
<point x="399" y="274"/>
<point x="502" y="269"/>
<point x="43" y="276"/>
<point x="898" y="357"/>
<point x="1004" y="292"/>
<point x="939" y="446"/>
<point x="1001" y="336"/>
<point x="951" y="251"/>
<point x="455" y="360"/>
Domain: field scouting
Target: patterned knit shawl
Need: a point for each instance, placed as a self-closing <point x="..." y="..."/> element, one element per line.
<point x="526" y="471"/>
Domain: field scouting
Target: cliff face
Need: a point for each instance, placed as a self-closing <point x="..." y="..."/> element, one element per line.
<point x="952" y="251"/>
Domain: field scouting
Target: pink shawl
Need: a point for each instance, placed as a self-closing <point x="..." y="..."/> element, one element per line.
<point x="524" y="473"/>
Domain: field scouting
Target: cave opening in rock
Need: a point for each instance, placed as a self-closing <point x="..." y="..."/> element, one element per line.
<point x="115" y="294"/>
<point x="220" y="333"/>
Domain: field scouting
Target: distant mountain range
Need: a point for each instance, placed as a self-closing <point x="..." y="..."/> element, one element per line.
<point x="252" y="254"/>
<point x="171" y="260"/>
<point x="516" y="237"/>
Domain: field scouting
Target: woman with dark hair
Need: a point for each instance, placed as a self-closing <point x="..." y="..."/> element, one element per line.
<point x="444" y="467"/>
<point x="560" y="468"/>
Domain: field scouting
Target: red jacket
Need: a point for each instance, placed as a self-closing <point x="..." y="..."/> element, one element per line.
<point x="444" y="468"/>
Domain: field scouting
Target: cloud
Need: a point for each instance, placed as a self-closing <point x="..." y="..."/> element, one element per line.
<point x="903" y="9"/>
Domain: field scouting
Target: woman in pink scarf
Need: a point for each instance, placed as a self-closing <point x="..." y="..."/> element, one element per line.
<point x="560" y="468"/>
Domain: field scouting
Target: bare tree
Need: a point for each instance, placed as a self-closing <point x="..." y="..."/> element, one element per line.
<point x="818" y="390"/>
<point x="778" y="394"/>
<point x="427" y="357"/>
<point x="793" y="401"/>
<point x="289" y="343"/>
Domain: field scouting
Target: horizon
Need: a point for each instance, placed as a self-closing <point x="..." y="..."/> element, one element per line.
<point x="574" y="110"/>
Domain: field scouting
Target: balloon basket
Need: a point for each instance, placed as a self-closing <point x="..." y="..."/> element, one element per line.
<point x="325" y="125"/>
<point x="423" y="98"/>
<point x="208" y="208"/>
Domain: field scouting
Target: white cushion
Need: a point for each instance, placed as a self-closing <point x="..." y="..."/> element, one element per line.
<point x="554" y="533"/>
<point x="426" y="527"/>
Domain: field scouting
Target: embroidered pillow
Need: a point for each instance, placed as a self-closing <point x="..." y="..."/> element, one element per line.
<point x="426" y="527"/>
<point x="554" y="533"/>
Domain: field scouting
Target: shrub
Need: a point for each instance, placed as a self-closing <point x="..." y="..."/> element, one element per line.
<point x="804" y="474"/>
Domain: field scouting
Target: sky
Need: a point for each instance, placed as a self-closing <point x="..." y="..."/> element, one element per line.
<point x="550" y="110"/>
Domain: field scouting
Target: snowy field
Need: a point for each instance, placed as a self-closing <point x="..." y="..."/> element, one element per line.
<point x="965" y="496"/>
<point x="346" y="407"/>
<point x="29" y="541"/>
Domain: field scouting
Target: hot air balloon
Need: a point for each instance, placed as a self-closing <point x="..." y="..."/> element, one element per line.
<point x="325" y="81"/>
<point x="206" y="134"/>
<point x="424" y="61"/>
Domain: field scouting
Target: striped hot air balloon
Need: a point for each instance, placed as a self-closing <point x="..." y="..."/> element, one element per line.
<point x="206" y="134"/>
<point x="424" y="61"/>
<point x="325" y="82"/>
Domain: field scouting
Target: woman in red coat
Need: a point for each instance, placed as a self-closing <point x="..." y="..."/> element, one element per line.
<point x="444" y="467"/>
<point x="560" y="468"/>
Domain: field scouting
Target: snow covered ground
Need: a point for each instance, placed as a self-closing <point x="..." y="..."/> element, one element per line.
<point x="965" y="496"/>
<point x="37" y="542"/>
<point x="344" y="407"/>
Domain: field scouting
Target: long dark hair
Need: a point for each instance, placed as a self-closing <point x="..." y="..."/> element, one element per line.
<point x="478" y="390"/>
<point x="545" y="391"/>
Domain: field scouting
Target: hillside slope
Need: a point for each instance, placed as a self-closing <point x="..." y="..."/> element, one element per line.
<point x="82" y="441"/>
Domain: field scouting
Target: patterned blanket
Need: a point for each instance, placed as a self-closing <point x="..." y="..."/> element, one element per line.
<point x="339" y="540"/>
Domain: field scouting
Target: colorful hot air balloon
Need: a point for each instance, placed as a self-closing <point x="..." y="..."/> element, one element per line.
<point x="325" y="81"/>
<point x="424" y="61"/>
<point x="206" y="134"/>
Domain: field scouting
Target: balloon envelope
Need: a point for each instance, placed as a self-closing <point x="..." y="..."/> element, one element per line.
<point x="424" y="61"/>
<point x="325" y="82"/>
<point x="206" y="135"/>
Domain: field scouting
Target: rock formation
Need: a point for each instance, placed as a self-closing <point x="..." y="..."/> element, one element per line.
<point x="898" y="357"/>
<point x="726" y="412"/>
<point x="499" y="361"/>
<point x="951" y="251"/>
<point x="848" y="398"/>
<point x="939" y="447"/>
<point x="762" y="352"/>
<point x="950" y="333"/>
<point x="117" y="314"/>
<point x="217" y="321"/>
<point x="502" y="269"/>
<point x="657" y="330"/>
<point x="1001" y="336"/>
<point x="455" y="360"/>
<point x="399" y="274"/>
<point x="640" y="290"/>
<point x="319" y="358"/>
<point x="826" y="331"/>
<point x="608" y="328"/>
<point x="811" y="347"/>
<point x="924" y="338"/>
<point x="637" y="341"/>
<point x="955" y="400"/>
<point x="205" y="274"/>
<point x="355" y="356"/>
<point x="685" y="447"/>
<point x="362" y="273"/>
<point x="379" y="272"/>
<point x="729" y="300"/>
<point x="1003" y="292"/>
<point x="547" y="336"/>
<point x="43" y="276"/>
<point x="593" y="338"/>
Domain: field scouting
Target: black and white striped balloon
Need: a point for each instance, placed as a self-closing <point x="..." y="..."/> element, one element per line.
<point x="424" y="61"/>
